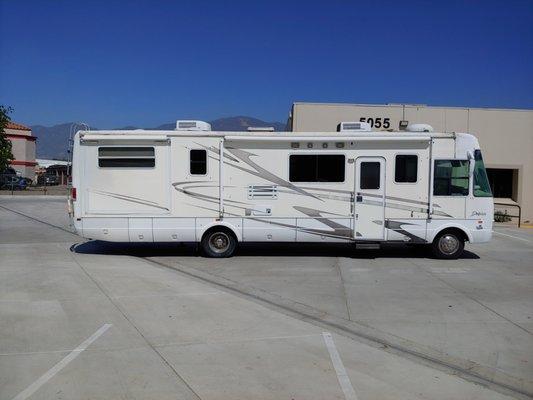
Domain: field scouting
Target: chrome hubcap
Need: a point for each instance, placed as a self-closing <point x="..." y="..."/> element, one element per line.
<point x="448" y="244"/>
<point x="219" y="242"/>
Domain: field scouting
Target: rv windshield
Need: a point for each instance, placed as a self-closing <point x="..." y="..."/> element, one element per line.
<point x="481" y="181"/>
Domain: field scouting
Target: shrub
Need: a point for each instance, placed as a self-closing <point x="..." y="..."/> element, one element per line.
<point x="501" y="216"/>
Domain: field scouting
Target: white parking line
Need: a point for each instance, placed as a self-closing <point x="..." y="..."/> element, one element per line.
<point x="511" y="236"/>
<point x="61" y="364"/>
<point x="342" y="376"/>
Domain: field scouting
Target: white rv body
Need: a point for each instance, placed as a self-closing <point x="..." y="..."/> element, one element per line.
<point x="173" y="186"/>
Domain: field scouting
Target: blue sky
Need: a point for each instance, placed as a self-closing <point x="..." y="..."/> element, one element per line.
<point x="114" y="63"/>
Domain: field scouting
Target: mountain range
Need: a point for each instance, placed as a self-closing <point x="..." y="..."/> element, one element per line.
<point x="52" y="141"/>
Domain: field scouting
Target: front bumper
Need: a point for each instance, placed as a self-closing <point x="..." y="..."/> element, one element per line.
<point x="481" y="236"/>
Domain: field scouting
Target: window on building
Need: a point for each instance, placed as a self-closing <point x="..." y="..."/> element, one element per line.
<point x="451" y="178"/>
<point x="406" y="168"/>
<point x="503" y="182"/>
<point x="198" y="162"/>
<point x="126" y="157"/>
<point x="316" y="168"/>
<point x="369" y="175"/>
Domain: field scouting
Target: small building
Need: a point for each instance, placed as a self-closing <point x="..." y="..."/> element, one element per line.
<point x="58" y="168"/>
<point x="505" y="135"/>
<point x="23" y="149"/>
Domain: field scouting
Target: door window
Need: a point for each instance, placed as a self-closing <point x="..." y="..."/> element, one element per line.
<point x="369" y="175"/>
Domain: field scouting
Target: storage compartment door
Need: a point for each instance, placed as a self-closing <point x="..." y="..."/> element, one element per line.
<point x="140" y="230"/>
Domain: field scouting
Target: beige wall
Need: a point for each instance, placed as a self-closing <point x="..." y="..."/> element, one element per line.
<point x="506" y="136"/>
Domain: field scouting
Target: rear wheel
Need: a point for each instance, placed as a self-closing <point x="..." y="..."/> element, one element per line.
<point x="219" y="243"/>
<point x="448" y="245"/>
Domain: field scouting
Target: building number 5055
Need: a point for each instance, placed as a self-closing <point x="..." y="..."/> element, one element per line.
<point x="376" y="122"/>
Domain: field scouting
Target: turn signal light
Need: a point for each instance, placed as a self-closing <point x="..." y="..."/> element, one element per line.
<point x="73" y="193"/>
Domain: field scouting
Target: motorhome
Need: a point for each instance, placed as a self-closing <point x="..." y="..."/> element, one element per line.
<point x="219" y="189"/>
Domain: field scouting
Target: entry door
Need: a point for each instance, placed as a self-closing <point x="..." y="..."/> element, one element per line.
<point x="369" y="199"/>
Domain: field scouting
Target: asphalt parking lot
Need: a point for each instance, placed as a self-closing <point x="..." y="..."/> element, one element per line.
<point x="114" y="321"/>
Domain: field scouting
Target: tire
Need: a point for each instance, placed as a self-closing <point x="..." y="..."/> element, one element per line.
<point x="219" y="243"/>
<point x="448" y="245"/>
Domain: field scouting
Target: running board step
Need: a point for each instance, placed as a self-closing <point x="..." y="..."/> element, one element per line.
<point x="367" y="246"/>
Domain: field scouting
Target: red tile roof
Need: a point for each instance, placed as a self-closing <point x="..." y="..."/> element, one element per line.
<point x="19" y="127"/>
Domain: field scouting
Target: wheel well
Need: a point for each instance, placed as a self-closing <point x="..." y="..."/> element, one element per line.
<point x="457" y="231"/>
<point x="221" y="228"/>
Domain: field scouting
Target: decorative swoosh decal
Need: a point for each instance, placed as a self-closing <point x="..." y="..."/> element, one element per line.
<point x="397" y="227"/>
<point x="338" y="229"/>
<point x="131" y="199"/>
<point x="311" y="212"/>
<point x="212" y="199"/>
<point x="320" y="196"/>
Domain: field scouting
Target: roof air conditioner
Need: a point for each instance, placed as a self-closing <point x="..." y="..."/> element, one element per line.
<point x="192" y="126"/>
<point x="354" y="127"/>
<point x="419" y="128"/>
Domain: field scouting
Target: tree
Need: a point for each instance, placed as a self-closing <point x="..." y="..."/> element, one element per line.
<point x="5" y="144"/>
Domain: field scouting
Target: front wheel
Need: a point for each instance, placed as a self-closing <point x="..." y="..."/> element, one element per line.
<point x="219" y="243"/>
<point x="448" y="245"/>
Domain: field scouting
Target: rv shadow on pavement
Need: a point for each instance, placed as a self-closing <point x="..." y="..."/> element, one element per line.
<point x="259" y="250"/>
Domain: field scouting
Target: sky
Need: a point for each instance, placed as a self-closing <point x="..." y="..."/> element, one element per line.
<point x="115" y="63"/>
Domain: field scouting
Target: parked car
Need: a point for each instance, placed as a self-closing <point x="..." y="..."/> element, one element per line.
<point x="13" y="182"/>
<point x="9" y="171"/>
<point x="5" y="177"/>
<point x="28" y="181"/>
<point x="48" y="180"/>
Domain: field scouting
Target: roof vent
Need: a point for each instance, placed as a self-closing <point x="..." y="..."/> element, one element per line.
<point x="192" y="126"/>
<point x="419" y="128"/>
<point x="354" y="127"/>
<point x="260" y="129"/>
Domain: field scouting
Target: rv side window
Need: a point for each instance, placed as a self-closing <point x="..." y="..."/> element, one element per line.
<point x="198" y="162"/>
<point x="406" y="168"/>
<point x="369" y="175"/>
<point x="316" y="168"/>
<point x="451" y="178"/>
<point x="126" y="157"/>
